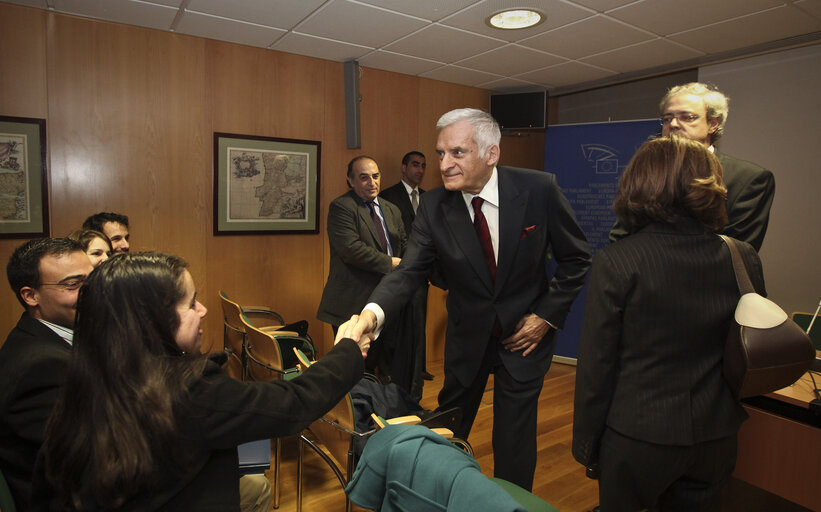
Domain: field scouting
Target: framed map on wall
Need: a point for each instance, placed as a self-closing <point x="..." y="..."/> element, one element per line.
<point x="23" y="178"/>
<point x="265" y="185"/>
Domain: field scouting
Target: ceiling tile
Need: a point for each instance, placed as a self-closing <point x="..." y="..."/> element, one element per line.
<point x="558" y="14"/>
<point x="511" y="85"/>
<point x="510" y="60"/>
<point x="665" y="17"/>
<point x="587" y="37"/>
<point x="569" y="73"/>
<point x="214" y="27"/>
<point x="433" y="10"/>
<point x="642" y="56"/>
<point x="388" y="61"/>
<point x="602" y="5"/>
<point x="271" y="13"/>
<point x="779" y="23"/>
<point x="360" y="24"/>
<point x="320" y="48"/>
<point x="459" y="75"/>
<point x="443" y="44"/>
<point x="121" y="11"/>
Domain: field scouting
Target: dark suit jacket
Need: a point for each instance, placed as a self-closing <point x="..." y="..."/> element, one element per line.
<point x="750" y="192"/>
<point x="357" y="262"/>
<point x="658" y="311"/>
<point x="398" y="195"/>
<point x="220" y="414"/>
<point x="33" y="363"/>
<point x="534" y="216"/>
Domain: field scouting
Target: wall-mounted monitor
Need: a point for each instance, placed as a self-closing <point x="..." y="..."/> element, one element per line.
<point x="520" y="110"/>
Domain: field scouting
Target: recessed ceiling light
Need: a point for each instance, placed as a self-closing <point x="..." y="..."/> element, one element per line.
<point x="514" y="19"/>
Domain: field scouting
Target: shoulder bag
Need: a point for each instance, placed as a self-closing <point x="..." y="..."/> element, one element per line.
<point x="765" y="350"/>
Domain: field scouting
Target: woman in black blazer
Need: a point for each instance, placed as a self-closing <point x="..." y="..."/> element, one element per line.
<point x="144" y="421"/>
<point x="652" y="411"/>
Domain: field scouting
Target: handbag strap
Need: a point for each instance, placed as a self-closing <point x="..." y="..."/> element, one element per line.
<point x="742" y="277"/>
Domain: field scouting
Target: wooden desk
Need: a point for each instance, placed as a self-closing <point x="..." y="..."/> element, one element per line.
<point x="779" y="454"/>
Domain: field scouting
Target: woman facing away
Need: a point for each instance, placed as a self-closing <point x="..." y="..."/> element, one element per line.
<point x="652" y="410"/>
<point x="96" y="245"/>
<point x="144" y="421"/>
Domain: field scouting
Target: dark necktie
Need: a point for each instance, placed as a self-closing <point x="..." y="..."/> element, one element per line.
<point x="377" y="223"/>
<point x="483" y="232"/>
<point x="414" y="200"/>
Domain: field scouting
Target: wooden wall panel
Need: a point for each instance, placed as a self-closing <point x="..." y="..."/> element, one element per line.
<point x="260" y="92"/>
<point x="131" y="113"/>
<point x="22" y="94"/>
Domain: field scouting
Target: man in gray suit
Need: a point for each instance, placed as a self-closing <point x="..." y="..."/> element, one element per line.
<point x="490" y="229"/>
<point x="367" y="240"/>
<point x="698" y="111"/>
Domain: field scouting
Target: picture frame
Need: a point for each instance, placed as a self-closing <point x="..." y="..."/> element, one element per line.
<point x="23" y="178"/>
<point x="265" y="185"/>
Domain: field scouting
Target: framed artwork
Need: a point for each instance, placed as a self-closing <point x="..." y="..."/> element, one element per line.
<point x="265" y="185"/>
<point x="23" y="178"/>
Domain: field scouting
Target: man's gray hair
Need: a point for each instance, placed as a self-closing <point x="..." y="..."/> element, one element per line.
<point x="715" y="102"/>
<point x="486" y="131"/>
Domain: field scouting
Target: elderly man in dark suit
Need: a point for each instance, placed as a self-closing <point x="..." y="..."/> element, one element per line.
<point x="45" y="274"/>
<point x="367" y="240"/>
<point x="699" y="111"/>
<point x="490" y="229"/>
<point x="405" y="195"/>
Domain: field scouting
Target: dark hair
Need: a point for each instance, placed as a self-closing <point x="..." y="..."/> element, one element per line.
<point x="86" y="236"/>
<point x="670" y="179"/>
<point x="353" y="162"/>
<point x="23" y="268"/>
<point x="113" y="423"/>
<point x="406" y="158"/>
<point x="97" y="220"/>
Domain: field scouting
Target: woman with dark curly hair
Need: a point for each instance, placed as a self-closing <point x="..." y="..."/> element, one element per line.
<point x="144" y="421"/>
<point x="653" y="414"/>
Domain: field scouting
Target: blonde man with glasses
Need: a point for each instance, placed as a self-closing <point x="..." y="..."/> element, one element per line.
<point x="45" y="275"/>
<point x="699" y="111"/>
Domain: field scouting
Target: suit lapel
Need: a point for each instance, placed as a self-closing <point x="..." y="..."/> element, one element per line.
<point x="461" y="229"/>
<point x="366" y="219"/>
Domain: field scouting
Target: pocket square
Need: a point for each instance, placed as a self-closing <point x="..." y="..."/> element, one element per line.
<point x="527" y="231"/>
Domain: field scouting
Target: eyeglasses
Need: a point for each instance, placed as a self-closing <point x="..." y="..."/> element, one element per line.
<point x="70" y="285"/>
<point x="681" y="118"/>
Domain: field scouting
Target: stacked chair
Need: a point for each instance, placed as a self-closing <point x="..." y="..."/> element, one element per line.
<point x="254" y="338"/>
<point x="334" y="437"/>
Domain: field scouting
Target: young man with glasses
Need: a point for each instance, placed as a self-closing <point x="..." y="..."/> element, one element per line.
<point x="45" y="275"/>
<point x="698" y="111"/>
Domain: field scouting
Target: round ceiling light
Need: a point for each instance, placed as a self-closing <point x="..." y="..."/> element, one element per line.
<point x="515" y="19"/>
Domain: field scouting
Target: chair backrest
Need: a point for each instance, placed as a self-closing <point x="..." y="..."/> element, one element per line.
<point x="263" y="354"/>
<point x="232" y="321"/>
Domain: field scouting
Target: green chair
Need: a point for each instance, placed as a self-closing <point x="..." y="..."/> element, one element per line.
<point x="527" y="499"/>
<point x="6" y="500"/>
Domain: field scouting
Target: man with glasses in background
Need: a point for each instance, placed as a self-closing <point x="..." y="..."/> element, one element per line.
<point x="45" y="275"/>
<point x="698" y="111"/>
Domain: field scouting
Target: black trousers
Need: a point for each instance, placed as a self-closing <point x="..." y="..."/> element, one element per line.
<point x="636" y="475"/>
<point x="515" y="409"/>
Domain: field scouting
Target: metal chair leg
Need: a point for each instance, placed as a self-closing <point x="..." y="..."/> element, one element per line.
<point x="277" y="452"/>
<point x="299" y="475"/>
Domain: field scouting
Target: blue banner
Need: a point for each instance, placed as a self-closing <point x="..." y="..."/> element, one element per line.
<point x="587" y="160"/>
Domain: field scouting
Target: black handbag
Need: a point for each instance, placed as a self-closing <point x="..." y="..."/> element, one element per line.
<point x="765" y="349"/>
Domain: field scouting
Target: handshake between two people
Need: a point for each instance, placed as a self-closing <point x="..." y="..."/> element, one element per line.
<point x="361" y="329"/>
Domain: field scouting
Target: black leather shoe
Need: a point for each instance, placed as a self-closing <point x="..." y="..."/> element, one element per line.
<point x="427" y="376"/>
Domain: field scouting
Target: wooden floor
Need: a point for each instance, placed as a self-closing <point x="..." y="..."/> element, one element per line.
<point x="559" y="479"/>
